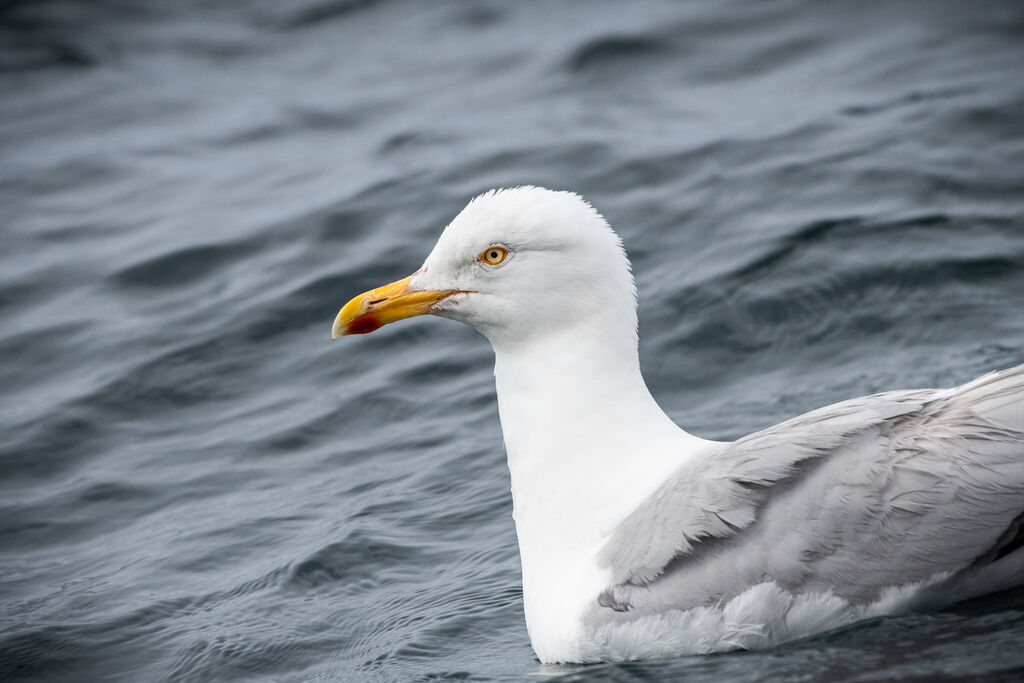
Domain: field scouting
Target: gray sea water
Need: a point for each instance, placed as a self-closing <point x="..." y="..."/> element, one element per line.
<point x="821" y="200"/>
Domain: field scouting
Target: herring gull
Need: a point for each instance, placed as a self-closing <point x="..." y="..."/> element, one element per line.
<point x="639" y="540"/>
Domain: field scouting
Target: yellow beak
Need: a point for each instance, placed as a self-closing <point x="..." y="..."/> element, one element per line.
<point x="384" y="305"/>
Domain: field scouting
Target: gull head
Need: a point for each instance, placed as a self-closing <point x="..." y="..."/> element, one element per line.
<point x="518" y="265"/>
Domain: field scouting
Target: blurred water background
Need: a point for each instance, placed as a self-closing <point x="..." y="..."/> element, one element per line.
<point x="821" y="200"/>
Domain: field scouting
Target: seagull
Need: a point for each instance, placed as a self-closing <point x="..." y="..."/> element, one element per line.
<point x="639" y="540"/>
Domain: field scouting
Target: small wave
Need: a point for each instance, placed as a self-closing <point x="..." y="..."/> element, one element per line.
<point x="181" y="266"/>
<point x="600" y="54"/>
<point x="359" y="556"/>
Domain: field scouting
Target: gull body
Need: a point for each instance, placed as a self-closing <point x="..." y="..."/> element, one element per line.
<point x="638" y="539"/>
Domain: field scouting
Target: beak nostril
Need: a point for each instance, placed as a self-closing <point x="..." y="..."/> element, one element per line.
<point x="374" y="302"/>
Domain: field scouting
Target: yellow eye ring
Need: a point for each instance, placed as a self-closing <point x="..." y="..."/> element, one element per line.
<point x="493" y="255"/>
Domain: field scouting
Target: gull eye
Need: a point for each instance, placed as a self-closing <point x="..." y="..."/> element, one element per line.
<point x="494" y="255"/>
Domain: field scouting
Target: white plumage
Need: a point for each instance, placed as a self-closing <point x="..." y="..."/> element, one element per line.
<point x="640" y="540"/>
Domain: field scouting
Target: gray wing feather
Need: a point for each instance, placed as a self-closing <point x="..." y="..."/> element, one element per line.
<point x="853" y="497"/>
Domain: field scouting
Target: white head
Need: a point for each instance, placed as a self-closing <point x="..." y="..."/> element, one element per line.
<point x="517" y="265"/>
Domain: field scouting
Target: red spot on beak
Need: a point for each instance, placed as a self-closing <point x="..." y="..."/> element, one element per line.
<point x="364" y="324"/>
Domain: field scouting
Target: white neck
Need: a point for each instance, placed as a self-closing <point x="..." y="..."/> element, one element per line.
<point x="586" y="444"/>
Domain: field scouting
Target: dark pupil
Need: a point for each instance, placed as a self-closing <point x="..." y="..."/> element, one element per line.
<point x="494" y="255"/>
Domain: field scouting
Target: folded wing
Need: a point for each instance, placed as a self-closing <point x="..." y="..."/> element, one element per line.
<point x="879" y="491"/>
